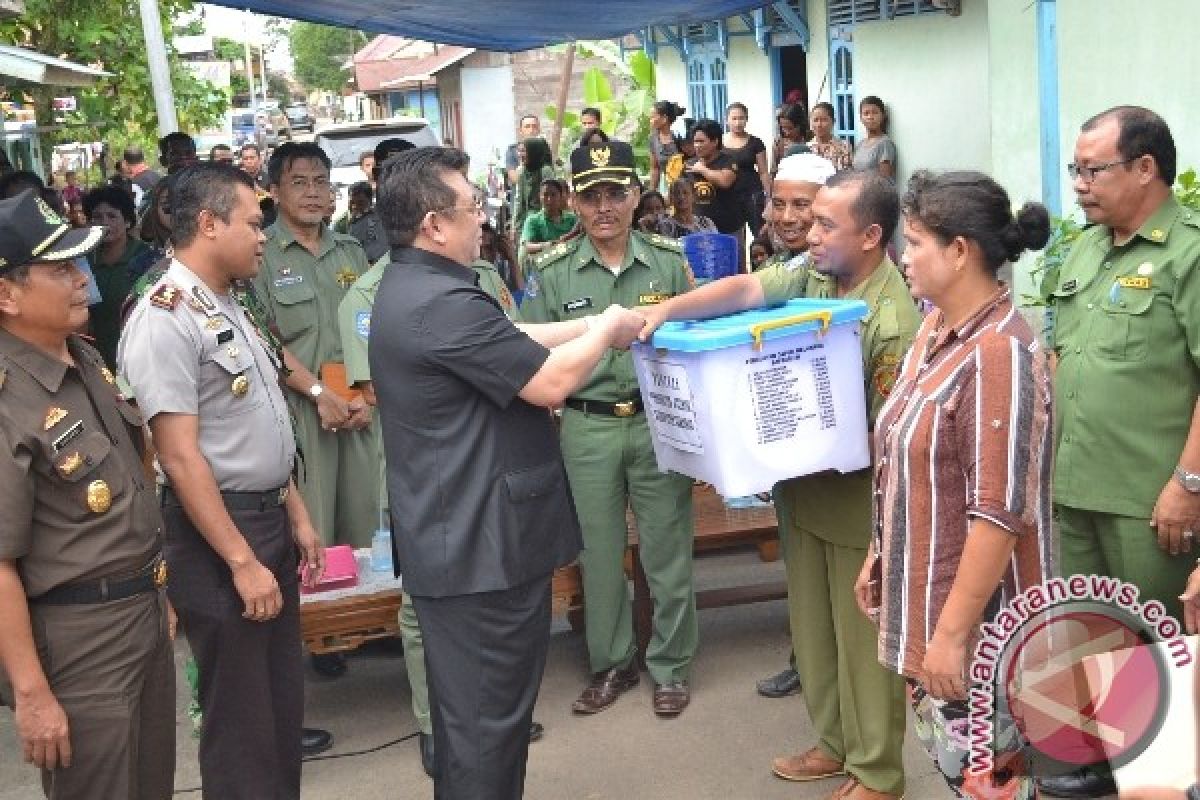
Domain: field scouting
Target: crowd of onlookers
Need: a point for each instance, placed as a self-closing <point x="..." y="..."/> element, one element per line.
<point x="705" y="176"/>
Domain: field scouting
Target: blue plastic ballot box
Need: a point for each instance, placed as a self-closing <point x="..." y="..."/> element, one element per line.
<point x="749" y="399"/>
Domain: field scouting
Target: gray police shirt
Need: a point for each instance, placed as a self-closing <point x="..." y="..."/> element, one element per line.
<point x="189" y="350"/>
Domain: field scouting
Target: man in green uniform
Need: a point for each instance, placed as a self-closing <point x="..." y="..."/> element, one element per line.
<point x="354" y="319"/>
<point x="857" y="706"/>
<point x="306" y="272"/>
<point x="790" y="217"/>
<point x="1127" y="336"/>
<point x="606" y="440"/>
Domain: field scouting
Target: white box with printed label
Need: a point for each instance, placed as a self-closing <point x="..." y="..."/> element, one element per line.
<point x="749" y="399"/>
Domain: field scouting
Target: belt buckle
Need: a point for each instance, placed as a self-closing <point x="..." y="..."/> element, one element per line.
<point x="160" y="574"/>
<point x="625" y="408"/>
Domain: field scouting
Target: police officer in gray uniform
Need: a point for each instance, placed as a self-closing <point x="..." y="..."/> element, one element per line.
<point x="208" y="382"/>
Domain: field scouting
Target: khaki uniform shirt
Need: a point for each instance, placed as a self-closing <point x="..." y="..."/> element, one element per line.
<point x="570" y="282"/>
<point x="354" y="313"/>
<point x="833" y="506"/>
<point x="188" y="350"/>
<point x="1127" y="335"/>
<point x="303" y="291"/>
<point x="77" y="504"/>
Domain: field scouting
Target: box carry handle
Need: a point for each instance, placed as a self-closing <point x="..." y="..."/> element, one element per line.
<point x="759" y="328"/>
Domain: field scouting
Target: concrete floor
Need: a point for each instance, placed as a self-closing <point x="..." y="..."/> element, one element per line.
<point x="720" y="749"/>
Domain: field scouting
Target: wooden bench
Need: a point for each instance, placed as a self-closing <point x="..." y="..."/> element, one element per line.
<point x="717" y="528"/>
<point x="334" y="626"/>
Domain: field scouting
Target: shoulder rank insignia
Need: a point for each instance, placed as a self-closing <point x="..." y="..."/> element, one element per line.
<point x="108" y="376"/>
<point x="166" y="296"/>
<point x="54" y="415"/>
<point x="1158" y="234"/>
<point x="346" y="277"/>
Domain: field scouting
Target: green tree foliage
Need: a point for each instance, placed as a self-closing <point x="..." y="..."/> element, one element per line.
<point x="234" y="53"/>
<point x="319" y="51"/>
<point x="108" y="34"/>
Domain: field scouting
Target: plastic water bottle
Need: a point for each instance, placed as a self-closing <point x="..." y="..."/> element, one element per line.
<point x="381" y="551"/>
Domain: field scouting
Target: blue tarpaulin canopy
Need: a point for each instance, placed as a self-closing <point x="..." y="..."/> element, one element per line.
<point x="503" y="25"/>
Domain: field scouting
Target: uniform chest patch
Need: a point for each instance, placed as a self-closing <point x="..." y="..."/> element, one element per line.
<point x="578" y="304"/>
<point x="1135" y="282"/>
<point x="362" y="323"/>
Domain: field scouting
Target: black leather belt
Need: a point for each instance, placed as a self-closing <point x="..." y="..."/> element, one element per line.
<point x="234" y="501"/>
<point x="625" y="408"/>
<point x="150" y="578"/>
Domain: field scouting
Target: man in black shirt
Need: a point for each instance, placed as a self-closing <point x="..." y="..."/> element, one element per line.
<point x="481" y="511"/>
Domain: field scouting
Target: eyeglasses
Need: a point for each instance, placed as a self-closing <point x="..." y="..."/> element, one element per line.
<point x="1088" y="174"/>
<point x="615" y="195"/>
<point x="303" y="184"/>
<point x="476" y="206"/>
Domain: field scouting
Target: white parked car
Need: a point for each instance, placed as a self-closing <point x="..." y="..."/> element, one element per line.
<point x="344" y="143"/>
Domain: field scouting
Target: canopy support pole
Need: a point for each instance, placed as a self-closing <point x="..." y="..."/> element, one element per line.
<point x="160" y="70"/>
<point x="564" y="85"/>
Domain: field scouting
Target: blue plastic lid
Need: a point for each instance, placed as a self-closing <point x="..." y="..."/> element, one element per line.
<point x="698" y="336"/>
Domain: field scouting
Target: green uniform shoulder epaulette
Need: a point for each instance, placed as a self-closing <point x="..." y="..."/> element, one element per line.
<point x="559" y="252"/>
<point x="1190" y="218"/>
<point x="166" y="296"/>
<point x="345" y="237"/>
<point x="661" y="242"/>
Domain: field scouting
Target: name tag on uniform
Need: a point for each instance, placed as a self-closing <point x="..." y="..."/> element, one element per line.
<point x="578" y="304"/>
<point x="72" y="433"/>
<point x="1134" y="282"/>
<point x="652" y="299"/>
<point x="288" y="280"/>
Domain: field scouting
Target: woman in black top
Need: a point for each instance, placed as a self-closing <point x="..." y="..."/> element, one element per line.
<point x="714" y="176"/>
<point x="750" y="155"/>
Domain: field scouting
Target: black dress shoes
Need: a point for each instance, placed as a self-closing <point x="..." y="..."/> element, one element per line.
<point x="315" y="740"/>
<point x="329" y="665"/>
<point x="781" y="685"/>
<point x="1083" y="782"/>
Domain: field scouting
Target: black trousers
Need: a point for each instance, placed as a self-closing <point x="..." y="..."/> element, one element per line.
<point x="484" y="655"/>
<point x="251" y="673"/>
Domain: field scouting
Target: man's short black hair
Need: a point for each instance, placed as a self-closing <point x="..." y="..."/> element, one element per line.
<point x="219" y="148"/>
<point x="288" y="152"/>
<point x="164" y="144"/>
<point x="133" y="155"/>
<point x="591" y="111"/>
<point x="386" y="149"/>
<point x="877" y="202"/>
<point x="1141" y="133"/>
<point x="14" y="183"/>
<point x="207" y="186"/>
<point x="361" y="188"/>
<point x="411" y="185"/>
<point x="249" y="146"/>
<point x="113" y="196"/>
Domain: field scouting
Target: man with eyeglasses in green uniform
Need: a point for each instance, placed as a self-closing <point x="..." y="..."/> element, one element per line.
<point x="606" y="440"/>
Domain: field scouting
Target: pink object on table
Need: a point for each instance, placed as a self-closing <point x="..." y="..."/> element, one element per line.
<point x="341" y="571"/>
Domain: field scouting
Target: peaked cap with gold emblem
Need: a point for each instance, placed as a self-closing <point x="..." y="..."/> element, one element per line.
<point x="610" y="162"/>
<point x="33" y="233"/>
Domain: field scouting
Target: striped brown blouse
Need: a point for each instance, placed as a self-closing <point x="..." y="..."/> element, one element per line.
<point x="966" y="433"/>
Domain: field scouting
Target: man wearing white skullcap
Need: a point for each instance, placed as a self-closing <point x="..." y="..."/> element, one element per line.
<point x="840" y="225"/>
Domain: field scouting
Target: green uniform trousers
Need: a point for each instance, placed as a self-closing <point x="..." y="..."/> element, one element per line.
<point x="1093" y="543"/>
<point x="610" y="465"/>
<point x="856" y="705"/>
<point x="414" y="662"/>
<point x="339" y="477"/>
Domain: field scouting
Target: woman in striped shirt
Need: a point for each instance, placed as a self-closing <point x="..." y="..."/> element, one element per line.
<point x="963" y="458"/>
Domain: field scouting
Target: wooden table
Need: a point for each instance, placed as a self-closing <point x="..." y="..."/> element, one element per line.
<point x="339" y="625"/>
<point x="345" y="619"/>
